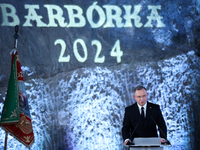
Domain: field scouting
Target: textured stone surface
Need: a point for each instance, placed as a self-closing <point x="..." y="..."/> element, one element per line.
<point x="38" y="52"/>
<point x="81" y="105"/>
<point x="84" y="109"/>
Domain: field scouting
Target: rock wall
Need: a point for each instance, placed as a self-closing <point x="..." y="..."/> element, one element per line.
<point x="77" y="98"/>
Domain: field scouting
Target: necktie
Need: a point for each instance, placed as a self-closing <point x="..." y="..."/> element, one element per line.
<point x="142" y="116"/>
<point x="142" y="113"/>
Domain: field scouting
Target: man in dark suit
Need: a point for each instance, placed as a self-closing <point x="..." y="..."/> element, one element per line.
<point x="140" y="119"/>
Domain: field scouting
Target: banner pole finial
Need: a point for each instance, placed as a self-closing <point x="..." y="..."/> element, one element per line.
<point x="16" y="36"/>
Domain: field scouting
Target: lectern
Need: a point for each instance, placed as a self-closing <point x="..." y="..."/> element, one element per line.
<point x="153" y="143"/>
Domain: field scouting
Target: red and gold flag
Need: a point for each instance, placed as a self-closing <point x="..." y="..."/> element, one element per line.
<point x="16" y="118"/>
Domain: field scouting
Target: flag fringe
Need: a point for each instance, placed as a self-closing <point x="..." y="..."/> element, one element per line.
<point x="28" y="146"/>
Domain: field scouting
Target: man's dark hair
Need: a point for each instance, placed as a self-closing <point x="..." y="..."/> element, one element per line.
<point x="139" y="87"/>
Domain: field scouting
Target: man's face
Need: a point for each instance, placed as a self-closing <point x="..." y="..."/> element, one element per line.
<point x="141" y="96"/>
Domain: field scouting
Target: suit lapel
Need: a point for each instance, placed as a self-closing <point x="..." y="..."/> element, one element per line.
<point x="148" y="112"/>
<point x="136" y="111"/>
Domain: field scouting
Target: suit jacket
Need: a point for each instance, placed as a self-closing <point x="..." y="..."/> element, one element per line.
<point x="132" y="124"/>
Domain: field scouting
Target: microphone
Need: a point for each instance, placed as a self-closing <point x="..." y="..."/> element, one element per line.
<point x="131" y="143"/>
<point x="167" y="141"/>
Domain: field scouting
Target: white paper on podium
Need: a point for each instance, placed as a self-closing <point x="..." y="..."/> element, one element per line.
<point x="150" y="141"/>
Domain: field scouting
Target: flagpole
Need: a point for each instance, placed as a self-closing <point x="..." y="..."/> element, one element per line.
<point x="16" y="36"/>
<point x="15" y="47"/>
<point x="5" y="143"/>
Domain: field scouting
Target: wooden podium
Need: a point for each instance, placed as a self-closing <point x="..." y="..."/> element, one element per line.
<point x="153" y="143"/>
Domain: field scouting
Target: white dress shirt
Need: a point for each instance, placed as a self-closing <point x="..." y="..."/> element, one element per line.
<point x="140" y="108"/>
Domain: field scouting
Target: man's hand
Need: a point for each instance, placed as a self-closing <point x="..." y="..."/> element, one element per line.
<point x="126" y="141"/>
<point x="163" y="140"/>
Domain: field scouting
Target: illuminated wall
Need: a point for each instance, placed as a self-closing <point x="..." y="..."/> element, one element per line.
<point x="80" y="74"/>
<point x="84" y="109"/>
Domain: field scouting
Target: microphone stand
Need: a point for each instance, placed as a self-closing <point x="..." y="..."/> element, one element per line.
<point x="131" y="143"/>
<point x="167" y="141"/>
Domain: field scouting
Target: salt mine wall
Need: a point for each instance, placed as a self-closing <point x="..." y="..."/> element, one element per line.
<point x="81" y="60"/>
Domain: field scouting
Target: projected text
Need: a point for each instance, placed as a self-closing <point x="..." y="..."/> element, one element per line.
<point x="106" y="16"/>
<point x="115" y="51"/>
